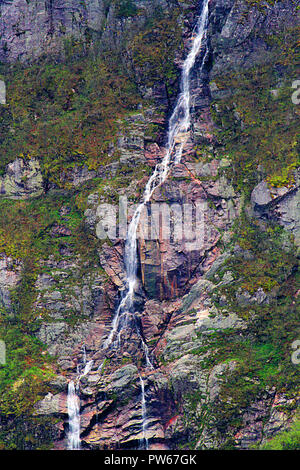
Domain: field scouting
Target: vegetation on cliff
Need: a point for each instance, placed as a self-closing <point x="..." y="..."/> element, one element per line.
<point x="68" y="114"/>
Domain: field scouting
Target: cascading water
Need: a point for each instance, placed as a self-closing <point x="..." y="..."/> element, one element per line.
<point x="74" y="418"/>
<point x="179" y="125"/>
<point x="144" y="414"/>
<point x="178" y="134"/>
<point x="73" y="403"/>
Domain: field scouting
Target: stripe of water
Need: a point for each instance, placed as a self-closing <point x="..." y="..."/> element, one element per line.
<point x="180" y="122"/>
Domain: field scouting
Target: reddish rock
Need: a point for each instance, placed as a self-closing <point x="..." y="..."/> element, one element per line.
<point x="60" y="231"/>
<point x="111" y="258"/>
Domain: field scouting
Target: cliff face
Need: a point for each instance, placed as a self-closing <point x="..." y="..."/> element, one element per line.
<point x="218" y="315"/>
<point x="33" y="29"/>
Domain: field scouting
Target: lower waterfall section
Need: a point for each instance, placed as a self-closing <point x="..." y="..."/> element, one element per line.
<point x="74" y="418"/>
<point x="73" y="403"/>
<point x="144" y="443"/>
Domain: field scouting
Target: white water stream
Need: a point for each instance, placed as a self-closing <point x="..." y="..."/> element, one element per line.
<point x="74" y="418"/>
<point x="73" y="403"/>
<point x="144" y="414"/>
<point x="178" y="133"/>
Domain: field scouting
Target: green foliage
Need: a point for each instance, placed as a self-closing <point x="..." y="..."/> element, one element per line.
<point x="38" y="217"/>
<point x="261" y="3"/>
<point x="153" y="53"/>
<point x="26" y="433"/>
<point x="68" y="114"/>
<point x="64" y="114"/>
<point x="24" y="377"/>
<point x="262" y="357"/>
<point x="258" y="127"/>
<point x="267" y="265"/>
<point x="287" y="440"/>
<point x="262" y="351"/>
<point x="126" y="8"/>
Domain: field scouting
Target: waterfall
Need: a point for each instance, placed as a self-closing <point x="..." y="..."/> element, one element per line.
<point x="178" y="133"/>
<point x="144" y="414"/>
<point x="87" y="368"/>
<point x="73" y="402"/>
<point x="84" y="354"/>
<point x="74" y="418"/>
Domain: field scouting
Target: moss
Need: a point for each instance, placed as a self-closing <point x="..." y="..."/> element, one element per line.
<point x="24" y="378"/>
<point x="27" y="433"/>
<point x="262" y="350"/>
<point x="64" y="114"/>
<point x="258" y="129"/>
<point x="126" y="8"/>
<point x="67" y="114"/>
<point x="153" y="52"/>
<point x="267" y="264"/>
<point x="262" y="355"/>
<point x="287" y="440"/>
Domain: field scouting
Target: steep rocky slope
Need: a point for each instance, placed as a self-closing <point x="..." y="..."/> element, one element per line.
<point x="85" y="122"/>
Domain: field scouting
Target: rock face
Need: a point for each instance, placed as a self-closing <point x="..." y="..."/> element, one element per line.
<point x="59" y="299"/>
<point x="168" y="262"/>
<point x="31" y="29"/>
<point x="182" y="254"/>
<point x="282" y="204"/>
<point x="239" y="32"/>
<point x="28" y="30"/>
<point x="9" y="278"/>
<point x="23" y="179"/>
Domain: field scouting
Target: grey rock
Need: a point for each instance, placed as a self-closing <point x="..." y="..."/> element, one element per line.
<point x="52" y="405"/>
<point x="207" y="324"/>
<point x="281" y="204"/>
<point x="49" y="332"/>
<point x="281" y="417"/>
<point x="9" y="277"/>
<point x="203" y="285"/>
<point x="122" y="380"/>
<point x="29" y="29"/>
<point x="227" y="279"/>
<point x="59" y="383"/>
<point x="186" y="376"/>
<point x="288" y="213"/>
<point x="217" y="376"/>
<point x="180" y="333"/>
<point x="217" y="265"/>
<point x="245" y="298"/>
<point x="22" y="180"/>
<point x="237" y="32"/>
<point x="261" y="194"/>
